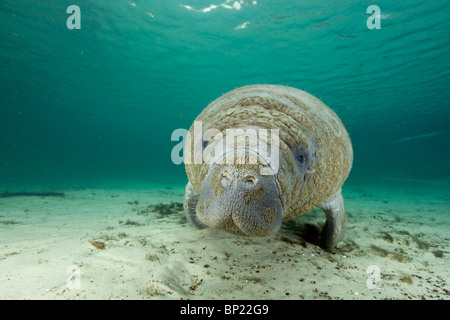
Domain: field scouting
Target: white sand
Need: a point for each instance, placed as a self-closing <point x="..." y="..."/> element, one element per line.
<point x="404" y="233"/>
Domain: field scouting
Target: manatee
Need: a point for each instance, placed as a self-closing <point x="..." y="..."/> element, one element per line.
<point x="235" y="188"/>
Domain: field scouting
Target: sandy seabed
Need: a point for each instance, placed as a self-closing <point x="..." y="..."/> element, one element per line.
<point x="150" y="251"/>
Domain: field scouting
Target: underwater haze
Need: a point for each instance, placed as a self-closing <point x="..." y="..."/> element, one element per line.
<point x="97" y="106"/>
<point x="91" y="203"/>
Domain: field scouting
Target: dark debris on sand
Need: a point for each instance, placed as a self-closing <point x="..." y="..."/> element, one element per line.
<point x="164" y="209"/>
<point x="8" y="194"/>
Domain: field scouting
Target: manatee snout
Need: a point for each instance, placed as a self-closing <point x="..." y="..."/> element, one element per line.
<point x="239" y="200"/>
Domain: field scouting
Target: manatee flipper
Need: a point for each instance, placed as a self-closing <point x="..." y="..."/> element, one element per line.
<point x="336" y="223"/>
<point x="190" y="205"/>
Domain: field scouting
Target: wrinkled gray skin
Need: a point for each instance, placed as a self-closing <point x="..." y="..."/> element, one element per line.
<point x="239" y="200"/>
<point x="233" y="212"/>
<point x="225" y="213"/>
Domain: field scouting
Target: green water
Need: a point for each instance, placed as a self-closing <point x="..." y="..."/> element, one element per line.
<point x="97" y="106"/>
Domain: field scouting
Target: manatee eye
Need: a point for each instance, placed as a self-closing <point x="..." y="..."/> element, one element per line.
<point x="204" y="144"/>
<point x="300" y="159"/>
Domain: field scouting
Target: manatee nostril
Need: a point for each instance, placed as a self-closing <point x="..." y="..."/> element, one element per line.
<point x="250" y="181"/>
<point x="225" y="182"/>
<point x="225" y="179"/>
